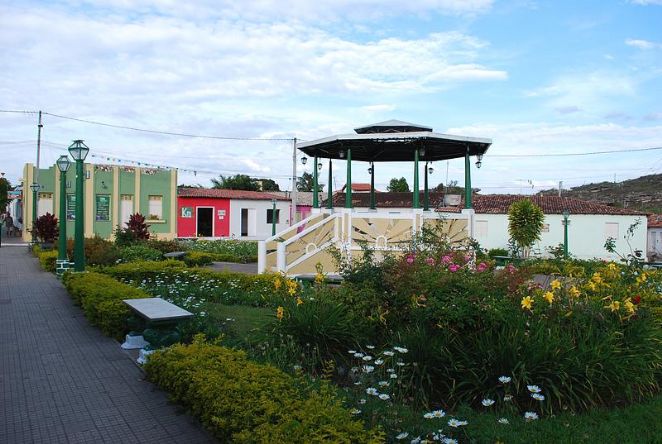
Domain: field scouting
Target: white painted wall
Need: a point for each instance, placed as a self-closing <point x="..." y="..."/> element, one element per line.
<point x="258" y="227"/>
<point x="655" y="244"/>
<point x="586" y="234"/>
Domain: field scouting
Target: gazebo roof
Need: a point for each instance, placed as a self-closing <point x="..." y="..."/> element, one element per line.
<point x="395" y="142"/>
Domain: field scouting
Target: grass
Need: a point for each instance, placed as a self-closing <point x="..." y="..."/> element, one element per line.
<point x="638" y="423"/>
<point x="246" y="320"/>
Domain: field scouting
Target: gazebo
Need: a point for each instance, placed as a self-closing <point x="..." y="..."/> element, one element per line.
<point x="299" y="249"/>
<point x="394" y="141"/>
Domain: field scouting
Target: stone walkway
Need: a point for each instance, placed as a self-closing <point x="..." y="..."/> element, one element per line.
<point x="62" y="381"/>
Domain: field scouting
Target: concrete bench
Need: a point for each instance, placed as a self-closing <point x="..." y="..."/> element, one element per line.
<point x="179" y="255"/>
<point x="153" y="310"/>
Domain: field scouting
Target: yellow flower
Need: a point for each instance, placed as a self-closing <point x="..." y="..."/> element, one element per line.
<point x="279" y="313"/>
<point x="591" y="286"/>
<point x="299" y="301"/>
<point x="574" y="292"/>
<point x="629" y="306"/>
<point x="556" y="284"/>
<point x="319" y="278"/>
<point x="597" y="278"/>
<point x="614" y="306"/>
<point x="612" y="266"/>
<point x="641" y="279"/>
<point x="549" y="297"/>
<point x="277" y="283"/>
<point x="292" y="287"/>
<point x="527" y="303"/>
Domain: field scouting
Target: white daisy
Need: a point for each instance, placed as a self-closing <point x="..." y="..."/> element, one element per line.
<point x="504" y="379"/>
<point x="538" y="397"/>
<point x="533" y="388"/>
<point x="530" y="416"/>
<point x="503" y="421"/>
<point x="487" y="402"/>
<point x="402" y="435"/>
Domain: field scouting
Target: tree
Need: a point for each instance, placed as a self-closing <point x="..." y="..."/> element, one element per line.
<point x="4" y="194"/>
<point x="45" y="228"/>
<point x="398" y="185"/>
<point x="269" y="185"/>
<point x="305" y="183"/>
<point x="525" y="222"/>
<point x="236" y="182"/>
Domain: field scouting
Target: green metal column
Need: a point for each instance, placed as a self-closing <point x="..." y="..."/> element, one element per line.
<point x="79" y="227"/>
<point x="416" y="204"/>
<point x="273" y="217"/>
<point x="426" y="192"/>
<point x="316" y="203"/>
<point x="348" y="190"/>
<point x="329" y="199"/>
<point x="467" y="181"/>
<point x="34" y="216"/>
<point x="372" y="186"/>
<point x="565" y="235"/>
<point x="62" y="240"/>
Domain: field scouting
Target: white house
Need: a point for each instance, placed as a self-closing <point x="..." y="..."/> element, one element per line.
<point x="590" y="223"/>
<point x="654" y="250"/>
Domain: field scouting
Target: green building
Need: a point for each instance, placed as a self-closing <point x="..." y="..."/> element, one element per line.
<point x="112" y="194"/>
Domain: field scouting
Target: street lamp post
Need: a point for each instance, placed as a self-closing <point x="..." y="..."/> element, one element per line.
<point x="63" y="165"/>
<point x="566" y="214"/>
<point x="78" y="151"/>
<point x="35" y="188"/>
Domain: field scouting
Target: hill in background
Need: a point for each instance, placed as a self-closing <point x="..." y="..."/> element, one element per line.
<point x="643" y="193"/>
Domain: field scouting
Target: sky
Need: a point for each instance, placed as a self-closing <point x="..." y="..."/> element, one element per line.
<point x="536" y="77"/>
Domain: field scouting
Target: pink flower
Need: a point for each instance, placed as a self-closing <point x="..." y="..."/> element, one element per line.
<point x="410" y="259"/>
<point x="430" y="261"/>
<point x="481" y="267"/>
<point x="510" y="268"/>
<point x="453" y="268"/>
<point x="446" y="259"/>
<point x="468" y="257"/>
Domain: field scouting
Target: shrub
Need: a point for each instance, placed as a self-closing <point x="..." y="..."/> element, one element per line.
<point x="241" y="401"/>
<point x="47" y="260"/>
<point x="98" y="251"/>
<point x="493" y="252"/>
<point x="198" y="258"/>
<point x="164" y="246"/>
<point x="525" y="222"/>
<point x="227" y="250"/>
<point x="100" y="297"/>
<point x="139" y="252"/>
<point x="45" y="228"/>
<point x="136" y="230"/>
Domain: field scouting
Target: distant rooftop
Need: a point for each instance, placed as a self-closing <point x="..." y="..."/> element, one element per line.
<point x="227" y="194"/>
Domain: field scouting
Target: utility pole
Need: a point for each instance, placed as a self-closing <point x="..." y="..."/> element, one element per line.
<point x="35" y="181"/>
<point x="560" y="187"/>
<point x="294" y="182"/>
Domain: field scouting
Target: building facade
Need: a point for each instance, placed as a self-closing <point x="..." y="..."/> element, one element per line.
<point x="216" y="213"/>
<point x="112" y="193"/>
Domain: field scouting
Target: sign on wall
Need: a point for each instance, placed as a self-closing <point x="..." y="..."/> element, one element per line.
<point x="221" y="214"/>
<point x="187" y="212"/>
<point x="103" y="207"/>
<point x="71" y="207"/>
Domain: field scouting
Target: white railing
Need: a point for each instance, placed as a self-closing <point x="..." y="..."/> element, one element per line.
<point x="298" y="250"/>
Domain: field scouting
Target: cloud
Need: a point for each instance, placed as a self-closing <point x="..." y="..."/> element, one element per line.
<point x="378" y="108"/>
<point x="591" y="91"/>
<point x="642" y="44"/>
<point x="568" y="109"/>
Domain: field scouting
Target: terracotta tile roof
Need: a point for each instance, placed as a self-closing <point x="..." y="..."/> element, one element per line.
<point x="359" y="187"/>
<point x="485" y="204"/>
<point x="499" y="204"/>
<point x="655" y="221"/>
<point x="227" y="194"/>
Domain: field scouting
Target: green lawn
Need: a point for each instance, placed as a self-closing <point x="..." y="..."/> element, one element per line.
<point x="639" y="423"/>
<point x="245" y="322"/>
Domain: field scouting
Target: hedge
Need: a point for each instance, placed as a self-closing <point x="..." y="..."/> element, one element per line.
<point x="47" y="259"/>
<point x="101" y="297"/>
<point x="245" y="402"/>
<point x="199" y="258"/>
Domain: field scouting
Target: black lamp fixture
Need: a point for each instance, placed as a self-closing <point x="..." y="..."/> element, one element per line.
<point x="430" y="170"/>
<point x="63" y="163"/>
<point x="319" y="166"/>
<point x="78" y="150"/>
<point x="304" y="160"/>
<point x="479" y="162"/>
<point x="35" y="187"/>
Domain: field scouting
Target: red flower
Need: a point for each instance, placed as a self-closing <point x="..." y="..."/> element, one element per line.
<point x="636" y="300"/>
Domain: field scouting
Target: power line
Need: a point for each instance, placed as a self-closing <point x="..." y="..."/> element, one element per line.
<point x="166" y="133"/>
<point x="576" y="154"/>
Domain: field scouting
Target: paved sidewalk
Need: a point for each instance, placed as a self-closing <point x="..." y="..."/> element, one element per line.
<point x="62" y="381"/>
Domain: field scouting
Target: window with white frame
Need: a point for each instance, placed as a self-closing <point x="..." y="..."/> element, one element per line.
<point x="481" y="228"/>
<point x="155" y="207"/>
<point x="611" y="230"/>
<point x="45" y="204"/>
